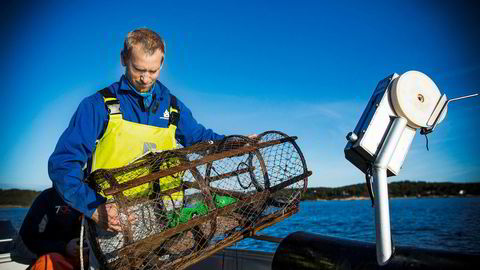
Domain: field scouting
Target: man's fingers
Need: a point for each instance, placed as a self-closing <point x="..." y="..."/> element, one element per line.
<point x="132" y="217"/>
<point x="113" y="224"/>
<point x="109" y="217"/>
<point x="114" y="228"/>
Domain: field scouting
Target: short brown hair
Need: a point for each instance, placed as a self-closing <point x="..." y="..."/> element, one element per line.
<point x="150" y="41"/>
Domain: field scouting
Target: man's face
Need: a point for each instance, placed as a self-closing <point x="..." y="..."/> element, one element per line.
<point x="142" y="68"/>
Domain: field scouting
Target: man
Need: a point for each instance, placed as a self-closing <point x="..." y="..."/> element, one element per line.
<point x="119" y="123"/>
<point x="51" y="230"/>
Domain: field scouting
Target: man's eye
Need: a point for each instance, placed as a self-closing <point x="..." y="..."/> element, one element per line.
<point x="139" y="70"/>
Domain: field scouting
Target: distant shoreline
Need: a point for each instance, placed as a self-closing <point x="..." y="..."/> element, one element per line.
<point x="350" y="198"/>
<point x="15" y="198"/>
<point x="13" y="206"/>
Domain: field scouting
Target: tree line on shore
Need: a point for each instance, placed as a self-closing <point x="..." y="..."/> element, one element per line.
<point x="397" y="189"/>
<point x="17" y="197"/>
<point x="24" y="198"/>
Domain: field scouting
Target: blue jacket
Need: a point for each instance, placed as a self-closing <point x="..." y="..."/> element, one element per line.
<point x="77" y="143"/>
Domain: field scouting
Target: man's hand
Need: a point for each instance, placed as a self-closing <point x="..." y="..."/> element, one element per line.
<point x="73" y="249"/>
<point x="106" y="216"/>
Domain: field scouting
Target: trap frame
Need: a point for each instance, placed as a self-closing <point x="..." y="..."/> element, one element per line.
<point x="178" y="207"/>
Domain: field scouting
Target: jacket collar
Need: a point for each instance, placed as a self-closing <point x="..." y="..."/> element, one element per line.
<point x="125" y="86"/>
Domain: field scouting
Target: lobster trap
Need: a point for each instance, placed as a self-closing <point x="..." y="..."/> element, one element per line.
<point x="178" y="207"/>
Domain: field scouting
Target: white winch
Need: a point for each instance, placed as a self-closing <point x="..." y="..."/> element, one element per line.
<point x="380" y="142"/>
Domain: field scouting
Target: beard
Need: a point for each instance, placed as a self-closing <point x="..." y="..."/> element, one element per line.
<point x="137" y="85"/>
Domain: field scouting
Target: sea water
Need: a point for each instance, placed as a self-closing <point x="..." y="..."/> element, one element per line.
<point x="439" y="223"/>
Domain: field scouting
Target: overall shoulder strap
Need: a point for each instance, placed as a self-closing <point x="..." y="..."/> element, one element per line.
<point x="111" y="102"/>
<point x="174" y="111"/>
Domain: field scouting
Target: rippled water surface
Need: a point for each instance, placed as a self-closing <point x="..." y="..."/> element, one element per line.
<point x="440" y="223"/>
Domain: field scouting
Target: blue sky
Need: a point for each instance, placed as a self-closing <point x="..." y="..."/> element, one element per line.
<point x="306" y="68"/>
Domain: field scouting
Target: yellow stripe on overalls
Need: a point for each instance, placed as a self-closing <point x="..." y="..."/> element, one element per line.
<point x="123" y="142"/>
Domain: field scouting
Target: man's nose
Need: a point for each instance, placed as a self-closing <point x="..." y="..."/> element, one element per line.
<point x="145" y="78"/>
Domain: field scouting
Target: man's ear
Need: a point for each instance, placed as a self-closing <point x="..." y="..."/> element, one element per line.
<point x="122" y="59"/>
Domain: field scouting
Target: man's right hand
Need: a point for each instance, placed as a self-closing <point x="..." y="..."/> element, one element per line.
<point x="107" y="216"/>
<point x="72" y="250"/>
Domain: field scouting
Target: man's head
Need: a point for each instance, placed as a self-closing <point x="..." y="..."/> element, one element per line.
<point x="143" y="55"/>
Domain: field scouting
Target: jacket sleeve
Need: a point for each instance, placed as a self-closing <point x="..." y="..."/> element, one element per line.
<point x="73" y="150"/>
<point x="189" y="131"/>
<point x="30" y="230"/>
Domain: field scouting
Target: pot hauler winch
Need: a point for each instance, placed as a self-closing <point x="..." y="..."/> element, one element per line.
<point x="399" y="106"/>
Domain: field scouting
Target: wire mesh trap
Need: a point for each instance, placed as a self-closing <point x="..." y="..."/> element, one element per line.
<point x="180" y="206"/>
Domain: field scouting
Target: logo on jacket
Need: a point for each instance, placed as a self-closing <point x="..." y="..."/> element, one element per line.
<point x="62" y="209"/>
<point x="166" y="115"/>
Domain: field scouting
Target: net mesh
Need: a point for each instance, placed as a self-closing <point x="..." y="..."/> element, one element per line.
<point x="177" y="207"/>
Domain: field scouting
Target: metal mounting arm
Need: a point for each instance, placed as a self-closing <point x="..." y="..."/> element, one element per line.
<point x="380" y="189"/>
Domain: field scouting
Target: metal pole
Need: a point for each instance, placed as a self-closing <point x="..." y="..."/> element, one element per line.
<point x="380" y="188"/>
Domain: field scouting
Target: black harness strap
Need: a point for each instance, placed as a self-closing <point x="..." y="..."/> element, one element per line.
<point x="113" y="106"/>
<point x="174" y="116"/>
<point x="105" y="92"/>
